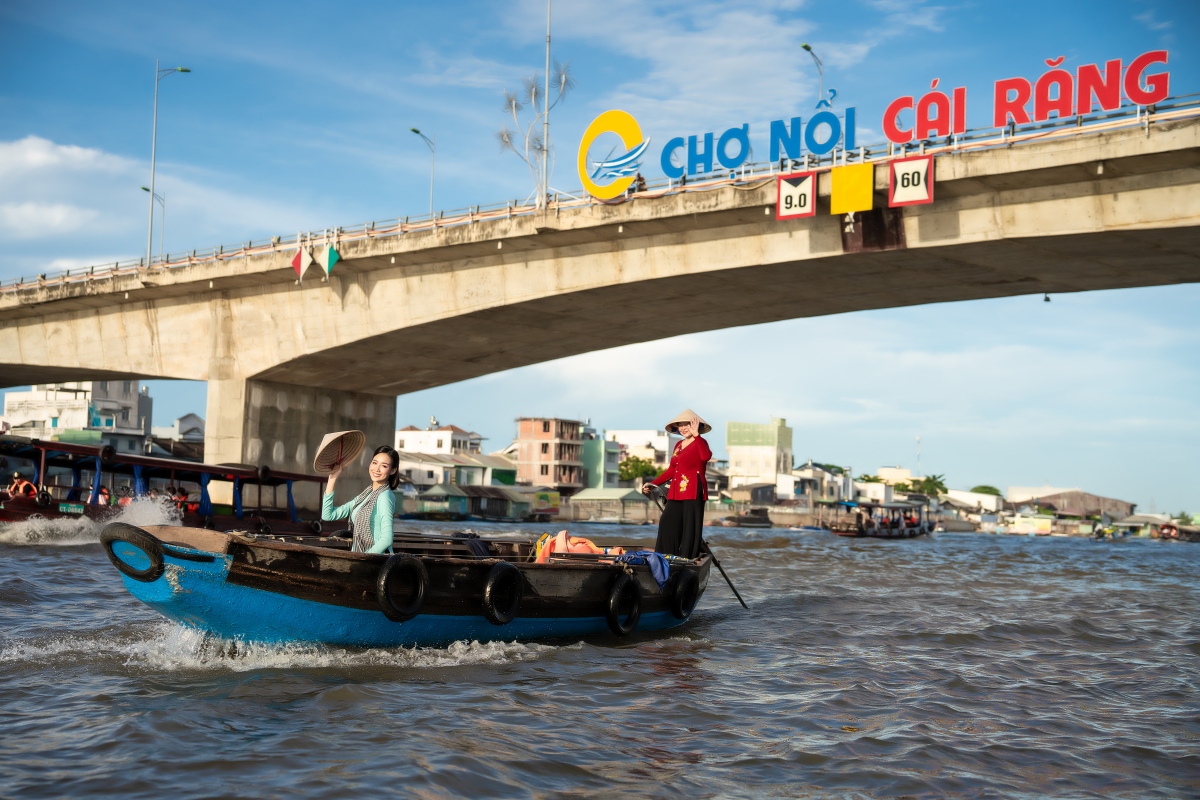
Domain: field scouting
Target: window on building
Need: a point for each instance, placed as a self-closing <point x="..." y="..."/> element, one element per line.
<point x="108" y="423"/>
<point x="545" y="426"/>
<point x="54" y="422"/>
<point x="400" y="444"/>
<point x="545" y="469"/>
<point x="128" y="387"/>
<point x="439" y="444"/>
<point x="545" y="448"/>
<point x="429" y="473"/>
<point x="102" y="386"/>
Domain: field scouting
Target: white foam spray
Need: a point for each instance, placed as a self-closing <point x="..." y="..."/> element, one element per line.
<point x="73" y="531"/>
<point x="166" y="646"/>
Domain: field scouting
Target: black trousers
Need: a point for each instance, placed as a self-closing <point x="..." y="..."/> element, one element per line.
<point x="680" y="528"/>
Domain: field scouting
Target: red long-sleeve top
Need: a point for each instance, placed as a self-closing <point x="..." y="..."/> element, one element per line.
<point x="686" y="472"/>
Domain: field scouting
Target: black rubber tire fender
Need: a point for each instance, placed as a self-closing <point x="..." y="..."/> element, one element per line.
<point x="315" y="526"/>
<point x="117" y="532"/>
<point x="264" y="473"/>
<point x="395" y="566"/>
<point x="44" y="499"/>
<point x="500" y="574"/>
<point x="108" y="454"/>
<point x="622" y="585"/>
<point x="686" y="594"/>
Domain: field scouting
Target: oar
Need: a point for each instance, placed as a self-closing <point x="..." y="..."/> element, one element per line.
<point x="704" y="548"/>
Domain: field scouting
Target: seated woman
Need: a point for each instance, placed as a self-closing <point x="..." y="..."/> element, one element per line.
<point x="565" y="543"/>
<point x="370" y="513"/>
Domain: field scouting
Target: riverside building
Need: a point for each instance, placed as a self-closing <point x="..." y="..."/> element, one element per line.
<point x="116" y="413"/>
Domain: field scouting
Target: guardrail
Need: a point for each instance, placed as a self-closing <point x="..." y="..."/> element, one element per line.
<point x="745" y="176"/>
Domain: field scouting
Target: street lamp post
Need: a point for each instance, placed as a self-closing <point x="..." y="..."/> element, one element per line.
<point x="432" y="159"/>
<point x="159" y="74"/>
<point x="162" y="220"/>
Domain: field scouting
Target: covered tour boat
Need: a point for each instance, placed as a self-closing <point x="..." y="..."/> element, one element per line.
<point x="77" y="480"/>
<point x="887" y="521"/>
<point x="433" y="589"/>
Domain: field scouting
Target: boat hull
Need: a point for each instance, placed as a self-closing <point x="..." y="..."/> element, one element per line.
<point x="279" y="593"/>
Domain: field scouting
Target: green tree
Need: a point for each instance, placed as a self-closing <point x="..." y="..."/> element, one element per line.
<point x="633" y="468"/>
<point x="983" y="488"/>
<point x="869" y="479"/>
<point x="932" y="485"/>
<point x="1184" y="517"/>
<point x="903" y="487"/>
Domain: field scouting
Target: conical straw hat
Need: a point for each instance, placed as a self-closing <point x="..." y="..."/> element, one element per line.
<point x="686" y="416"/>
<point x="337" y="450"/>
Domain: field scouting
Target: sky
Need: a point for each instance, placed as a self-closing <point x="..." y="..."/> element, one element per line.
<point x="296" y="117"/>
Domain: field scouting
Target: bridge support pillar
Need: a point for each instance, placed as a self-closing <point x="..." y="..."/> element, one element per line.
<point x="260" y="422"/>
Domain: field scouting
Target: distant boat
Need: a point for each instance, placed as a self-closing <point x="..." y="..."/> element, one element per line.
<point x="887" y="521"/>
<point x="757" y="518"/>
<point x="133" y="474"/>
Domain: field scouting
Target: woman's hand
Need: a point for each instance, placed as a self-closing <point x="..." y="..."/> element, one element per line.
<point x="695" y="424"/>
<point x="331" y="480"/>
<point x="646" y="488"/>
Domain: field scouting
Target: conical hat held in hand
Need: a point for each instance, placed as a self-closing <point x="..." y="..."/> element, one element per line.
<point x="337" y="450"/>
<point x="686" y="416"/>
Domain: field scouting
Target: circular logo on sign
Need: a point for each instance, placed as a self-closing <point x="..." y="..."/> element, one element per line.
<point x="612" y="175"/>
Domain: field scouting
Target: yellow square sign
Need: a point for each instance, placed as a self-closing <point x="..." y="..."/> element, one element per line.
<point x="853" y="188"/>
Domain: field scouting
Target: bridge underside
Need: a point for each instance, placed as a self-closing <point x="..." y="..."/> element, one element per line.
<point x="483" y="342"/>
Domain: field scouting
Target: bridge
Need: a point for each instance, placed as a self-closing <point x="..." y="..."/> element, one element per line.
<point x="415" y="306"/>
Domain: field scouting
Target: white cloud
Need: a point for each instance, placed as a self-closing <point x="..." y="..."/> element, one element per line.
<point x="76" y="206"/>
<point x="715" y="61"/>
<point x="31" y="220"/>
<point x="1150" y="21"/>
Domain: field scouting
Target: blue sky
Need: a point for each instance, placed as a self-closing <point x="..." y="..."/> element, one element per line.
<point x="296" y="116"/>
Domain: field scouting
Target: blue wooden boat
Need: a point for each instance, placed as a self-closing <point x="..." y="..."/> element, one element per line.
<point x="434" y="589"/>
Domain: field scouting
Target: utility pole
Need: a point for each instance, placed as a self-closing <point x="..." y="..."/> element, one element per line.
<point x="545" y="187"/>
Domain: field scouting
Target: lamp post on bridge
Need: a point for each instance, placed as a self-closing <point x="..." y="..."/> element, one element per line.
<point x="162" y="220"/>
<point x="432" y="158"/>
<point x="159" y="74"/>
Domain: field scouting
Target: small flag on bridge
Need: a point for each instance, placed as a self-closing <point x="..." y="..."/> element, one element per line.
<point x="301" y="261"/>
<point x="327" y="256"/>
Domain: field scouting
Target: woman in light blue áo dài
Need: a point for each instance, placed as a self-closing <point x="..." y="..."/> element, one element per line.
<point x="370" y="513"/>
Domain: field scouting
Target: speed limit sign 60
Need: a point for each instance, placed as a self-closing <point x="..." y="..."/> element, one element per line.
<point x="797" y="195"/>
<point x="911" y="181"/>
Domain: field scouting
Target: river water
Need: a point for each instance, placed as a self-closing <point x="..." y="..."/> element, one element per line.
<point x="961" y="665"/>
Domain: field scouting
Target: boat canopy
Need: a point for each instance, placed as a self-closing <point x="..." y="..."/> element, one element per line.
<point x="46" y="455"/>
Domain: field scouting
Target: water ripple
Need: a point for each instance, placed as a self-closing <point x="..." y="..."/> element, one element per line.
<point x="961" y="666"/>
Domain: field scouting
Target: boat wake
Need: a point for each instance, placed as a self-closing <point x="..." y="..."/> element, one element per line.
<point x="165" y="646"/>
<point x="74" y="531"/>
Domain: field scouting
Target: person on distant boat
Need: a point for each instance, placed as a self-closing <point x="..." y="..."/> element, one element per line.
<point x="104" y="498"/>
<point x="21" y="487"/>
<point x="370" y="513"/>
<point x="680" y="528"/>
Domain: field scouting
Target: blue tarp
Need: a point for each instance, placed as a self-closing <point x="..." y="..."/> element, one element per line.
<point x="291" y="505"/>
<point x="95" y="498"/>
<point x="660" y="568"/>
<point x="205" y="507"/>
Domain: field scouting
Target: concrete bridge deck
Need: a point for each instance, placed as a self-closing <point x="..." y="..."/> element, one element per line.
<point x="402" y="313"/>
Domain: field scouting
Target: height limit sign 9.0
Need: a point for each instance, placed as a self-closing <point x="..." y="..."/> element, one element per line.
<point x="910" y="181"/>
<point x="797" y="195"/>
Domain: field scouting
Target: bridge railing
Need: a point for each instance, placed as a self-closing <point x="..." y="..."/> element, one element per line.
<point x="746" y="176"/>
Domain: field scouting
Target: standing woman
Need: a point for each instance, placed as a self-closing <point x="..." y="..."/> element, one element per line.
<point x="679" y="530"/>
<point x="371" y="512"/>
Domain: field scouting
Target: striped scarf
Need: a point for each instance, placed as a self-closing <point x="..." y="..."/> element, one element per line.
<point x="360" y="520"/>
